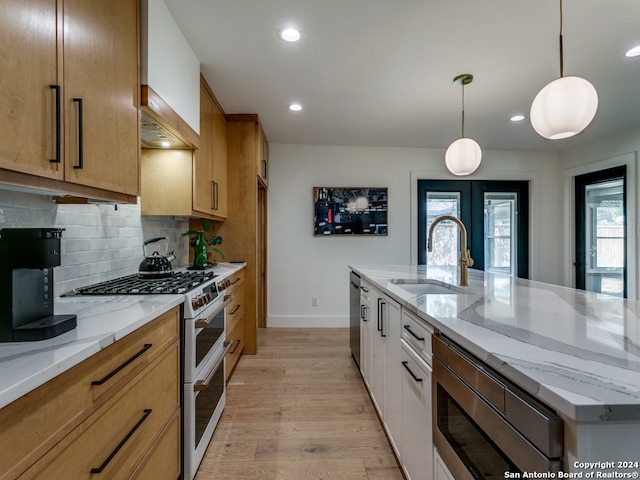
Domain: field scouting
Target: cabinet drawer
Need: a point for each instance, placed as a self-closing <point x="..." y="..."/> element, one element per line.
<point x="236" y="337"/>
<point x="236" y="281"/>
<point x="115" y="437"/>
<point x="59" y="405"/>
<point x="163" y="463"/>
<point x="417" y="333"/>
<point x="235" y="309"/>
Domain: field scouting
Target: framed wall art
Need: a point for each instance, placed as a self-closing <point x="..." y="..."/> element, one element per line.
<point x="350" y="211"/>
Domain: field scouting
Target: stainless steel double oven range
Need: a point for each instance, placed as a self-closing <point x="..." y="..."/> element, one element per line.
<point x="203" y="348"/>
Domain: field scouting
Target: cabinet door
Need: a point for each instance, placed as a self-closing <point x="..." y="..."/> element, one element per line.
<point x="263" y="157"/>
<point x="416" y="421"/>
<point x="101" y="94"/>
<point x="29" y="59"/>
<point x="220" y="161"/>
<point x="204" y="190"/>
<point x="365" y="334"/>
<point x="392" y="372"/>
<point x="377" y="352"/>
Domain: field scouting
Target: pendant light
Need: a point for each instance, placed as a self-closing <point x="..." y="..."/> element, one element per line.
<point x="564" y="107"/>
<point x="464" y="155"/>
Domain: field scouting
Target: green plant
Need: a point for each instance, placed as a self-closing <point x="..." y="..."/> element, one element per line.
<point x="201" y="243"/>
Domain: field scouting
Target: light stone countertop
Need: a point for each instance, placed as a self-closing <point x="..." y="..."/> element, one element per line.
<point x="102" y="320"/>
<point x="577" y="351"/>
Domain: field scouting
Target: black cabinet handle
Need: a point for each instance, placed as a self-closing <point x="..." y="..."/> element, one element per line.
<point x="406" y="365"/>
<point x="147" y="412"/>
<point x="382" y="321"/>
<point x="235" y="281"/>
<point x="408" y="329"/>
<point x="364" y="289"/>
<point x="236" y="347"/>
<point x="80" y="132"/>
<point x="379" y="315"/>
<point x="213" y="195"/>
<point x="216" y="185"/>
<point x="264" y="169"/>
<point x="56" y="89"/>
<point x="234" y="310"/>
<point x="106" y="378"/>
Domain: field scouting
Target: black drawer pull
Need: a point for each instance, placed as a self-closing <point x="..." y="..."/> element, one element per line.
<point x="56" y="89"/>
<point x="406" y="365"/>
<point x="104" y="379"/>
<point x="234" y="310"/>
<point x="408" y="329"/>
<point x="236" y="347"/>
<point x="235" y="281"/>
<point x="147" y="412"/>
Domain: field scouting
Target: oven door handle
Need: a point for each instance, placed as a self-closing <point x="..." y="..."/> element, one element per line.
<point x="205" y="323"/>
<point x="204" y="384"/>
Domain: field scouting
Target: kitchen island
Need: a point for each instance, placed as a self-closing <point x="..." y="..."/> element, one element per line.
<point x="576" y="352"/>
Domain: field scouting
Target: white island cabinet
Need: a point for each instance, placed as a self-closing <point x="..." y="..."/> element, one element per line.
<point x="398" y="378"/>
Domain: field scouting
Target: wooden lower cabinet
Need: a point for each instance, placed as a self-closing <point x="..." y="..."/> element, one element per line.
<point x="234" y="321"/>
<point x="164" y="459"/>
<point x="68" y="426"/>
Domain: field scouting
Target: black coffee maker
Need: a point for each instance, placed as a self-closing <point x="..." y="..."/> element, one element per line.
<point x="27" y="258"/>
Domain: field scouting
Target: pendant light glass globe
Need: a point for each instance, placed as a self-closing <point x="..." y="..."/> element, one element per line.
<point x="564" y="107"/>
<point x="463" y="156"/>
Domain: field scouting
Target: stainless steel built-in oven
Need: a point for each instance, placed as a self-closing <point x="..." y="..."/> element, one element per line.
<point x="485" y="426"/>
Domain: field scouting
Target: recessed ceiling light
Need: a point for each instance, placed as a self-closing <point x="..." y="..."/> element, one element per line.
<point x="289" y="34"/>
<point x="165" y="144"/>
<point x="634" y="52"/>
<point x="517" y="118"/>
<point x="296" y="107"/>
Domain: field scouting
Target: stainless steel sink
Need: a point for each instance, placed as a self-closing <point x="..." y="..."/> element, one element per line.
<point x="427" y="287"/>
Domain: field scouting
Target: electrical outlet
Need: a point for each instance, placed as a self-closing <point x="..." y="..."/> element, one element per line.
<point x="314" y="301"/>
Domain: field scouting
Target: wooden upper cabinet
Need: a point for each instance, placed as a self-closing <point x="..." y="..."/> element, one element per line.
<point x="263" y="157"/>
<point x="210" y="160"/>
<point x="190" y="183"/>
<point x="69" y="97"/>
<point x="101" y="87"/>
<point x="29" y="59"/>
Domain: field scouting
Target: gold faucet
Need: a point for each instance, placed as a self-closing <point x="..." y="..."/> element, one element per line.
<point x="465" y="257"/>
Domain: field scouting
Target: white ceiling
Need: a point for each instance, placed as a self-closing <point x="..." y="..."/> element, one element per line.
<point x="380" y="72"/>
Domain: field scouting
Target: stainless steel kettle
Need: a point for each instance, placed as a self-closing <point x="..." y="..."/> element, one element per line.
<point x="156" y="265"/>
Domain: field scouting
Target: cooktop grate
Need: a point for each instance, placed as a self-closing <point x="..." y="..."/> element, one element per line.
<point x="178" y="282"/>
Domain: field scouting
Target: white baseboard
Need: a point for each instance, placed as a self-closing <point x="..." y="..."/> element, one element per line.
<point x="308" y="321"/>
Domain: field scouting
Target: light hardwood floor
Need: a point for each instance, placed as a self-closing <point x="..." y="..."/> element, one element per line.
<point x="299" y="410"/>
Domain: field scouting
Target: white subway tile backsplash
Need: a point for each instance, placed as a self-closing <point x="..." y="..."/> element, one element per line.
<point x="99" y="242"/>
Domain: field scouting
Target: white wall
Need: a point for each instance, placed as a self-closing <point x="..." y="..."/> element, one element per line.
<point x="301" y="266"/>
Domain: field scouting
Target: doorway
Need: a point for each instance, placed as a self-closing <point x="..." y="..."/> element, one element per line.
<point x="601" y="242"/>
<point x="495" y="214"/>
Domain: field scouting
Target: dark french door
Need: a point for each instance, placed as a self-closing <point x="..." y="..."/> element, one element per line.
<point x="601" y="243"/>
<point x="495" y="214"/>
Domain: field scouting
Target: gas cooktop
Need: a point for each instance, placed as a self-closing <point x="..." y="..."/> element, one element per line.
<point x="177" y="282"/>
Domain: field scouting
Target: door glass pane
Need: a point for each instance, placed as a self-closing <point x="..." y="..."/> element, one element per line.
<point x="446" y="239"/>
<point x="604" y="240"/>
<point x="500" y="232"/>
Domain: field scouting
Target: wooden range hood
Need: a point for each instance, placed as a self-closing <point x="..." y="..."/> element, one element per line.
<point x="159" y="122"/>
